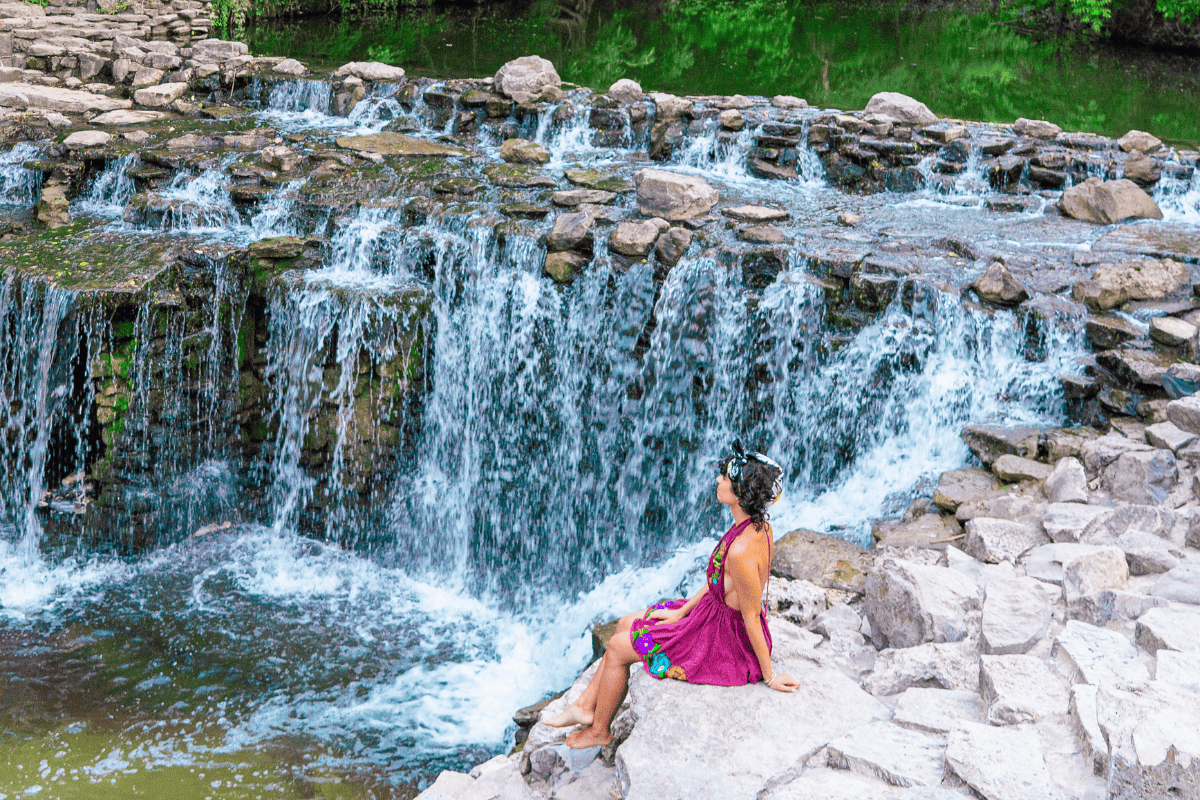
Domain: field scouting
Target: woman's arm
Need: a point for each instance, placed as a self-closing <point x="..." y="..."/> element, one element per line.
<point x="742" y="573"/>
<point x="668" y="615"/>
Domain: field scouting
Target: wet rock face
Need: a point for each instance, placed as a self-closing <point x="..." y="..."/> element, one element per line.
<point x="673" y="197"/>
<point x="1106" y="202"/>
<point x="527" y="75"/>
<point x="901" y="108"/>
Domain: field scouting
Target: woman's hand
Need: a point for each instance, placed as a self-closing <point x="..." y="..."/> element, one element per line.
<point x="784" y="682"/>
<point x="666" y="615"/>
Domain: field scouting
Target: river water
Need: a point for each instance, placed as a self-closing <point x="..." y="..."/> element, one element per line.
<point x="563" y="472"/>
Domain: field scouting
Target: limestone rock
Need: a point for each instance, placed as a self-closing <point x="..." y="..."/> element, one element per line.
<point x="937" y="710"/>
<point x="1139" y="141"/>
<point x="964" y="485"/>
<point x="83" y="139"/>
<point x="1143" y="279"/>
<point x="909" y="604"/>
<point x="1097" y="656"/>
<point x="1107" y="527"/>
<point x="1011" y="469"/>
<point x="1020" y="689"/>
<point x="798" y="601"/>
<point x="625" y="91"/>
<point x="998" y="286"/>
<point x="1000" y="763"/>
<point x="1105" y="568"/>
<point x="1106" y="202"/>
<point x="1185" y="413"/>
<point x="448" y="784"/>
<point x="1181" y="380"/>
<point x="53" y="98"/>
<point x="1046" y="562"/>
<point x="370" y="71"/>
<point x="570" y="232"/>
<point x="1181" y="584"/>
<point x="576" y="197"/>
<point x="996" y="540"/>
<point x="731" y="120"/>
<point x="668" y="106"/>
<point x="1182" y="669"/>
<point x="502" y="783"/>
<point x="989" y="442"/>
<point x="1085" y="721"/>
<point x="1112" y="605"/>
<point x="1037" y="128"/>
<point x="900" y="107"/>
<point x="147" y="76"/>
<point x="673" y="244"/>
<point x="1168" y="436"/>
<point x="635" y="238"/>
<point x="673" y="197"/>
<point x="563" y="266"/>
<point x="827" y="561"/>
<point x="835" y="618"/>
<point x="890" y="753"/>
<point x="1067" y="483"/>
<point x="1104" y="450"/>
<point x="53" y="210"/>
<point x="159" y="96"/>
<point x="655" y="762"/>
<point x="1172" y="331"/>
<point x="290" y="66"/>
<point x="528" y="74"/>
<point x="277" y="247"/>
<point x="953" y="665"/>
<point x="208" y="51"/>
<point x="523" y="151"/>
<point x="1016" y="616"/>
<point x="1169" y="628"/>
<point x="788" y="102"/>
<point x="756" y="214"/>
<point x="1153" y="733"/>
<point x="928" y="530"/>
<point x="128" y="117"/>
<point x="1144" y="477"/>
<point x="281" y="157"/>
<point x="1141" y="169"/>
<point x="389" y="143"/>
<point x="1147" y="554"/>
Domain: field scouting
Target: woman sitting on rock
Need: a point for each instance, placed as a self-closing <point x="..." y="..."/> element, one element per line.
<point x="720" y="635"/>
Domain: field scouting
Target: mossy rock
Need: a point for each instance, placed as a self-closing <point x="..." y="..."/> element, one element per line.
<point x="86" y="258"/>
<point x="518" y="176"/>
<point x="600" y="179"/>
<point x="390" y="143"/>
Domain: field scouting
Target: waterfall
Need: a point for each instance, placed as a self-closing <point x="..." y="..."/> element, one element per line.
<point x="111" y="190"/>
<point x="299" y="96"/>
<point x="19" y="186"/>
<point x="1179" y="198"/>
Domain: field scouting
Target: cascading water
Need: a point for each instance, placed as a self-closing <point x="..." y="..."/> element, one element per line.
<point x="111" y="190"/>
<point x="19" y="186"/>
<point x="1179" y="199"/>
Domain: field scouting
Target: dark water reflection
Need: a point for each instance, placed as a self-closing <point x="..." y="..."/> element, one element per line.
<point x="832" y="54"/>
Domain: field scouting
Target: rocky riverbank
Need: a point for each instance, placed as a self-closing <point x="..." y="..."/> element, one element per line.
<point x="1026" y="631"/>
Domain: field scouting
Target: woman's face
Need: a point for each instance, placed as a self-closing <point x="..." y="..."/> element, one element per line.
<point x="725" y="491"/>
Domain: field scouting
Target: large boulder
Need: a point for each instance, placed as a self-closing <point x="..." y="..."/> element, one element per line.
<point x="159" y="96"/>
<point x="53" y="209"/>
<point x="570" y="232"/>
<point x="953" y="666"/>
<point x="1037" y="128"/>
<point x="1106" y="202"/>
<point x="671" y="196"/>
<point x="370" y="71"/>
<point x="523" y="151"/>
<point x="634" y="238"/>
<point x="1020" y="689"/>
<point x="1065" y="522"/>
<point x="1105" y="568"/>
<point x="390" y="143"/>
<point x="83" y="139"/>
<point x="996" y="540"/>
<point x="1107" y="527"/>
<point x="655" y="762"/>
<point x="1112" y="605"/>
<point x="625" y="91"/>
<point x="526" y="75"/>
<point x="1169" y="628"/>
<point x="963" y="486"/>
<point x="1046" y="562"/>
<point x="1139" y="141"/>
<point x="212" y="51"/>
<point x="998" y="286"/>
<point x="901" y="108"/>
<point x="1000" y="763"/>
<point x="827" y="561"/>
<point x="1145" y="477"/>
<point x="1097" y="656"/>
<point x="989" y="442"/>
<point x="1142" y="279"/>
<point x="55" y="98"/>
<point x="1180" y="584"/>
<point x="1012" y="469"/>
<point x="1153" y="735"/>
<point x="1067" y="483"/>
<point x="1016" y="616"/>
<point x="800" y="601"/>
<point x="909" y="604"/>
<point x="1185" y="413"/>
<point x="673" y="244"/>
<point x="896" y="755"/>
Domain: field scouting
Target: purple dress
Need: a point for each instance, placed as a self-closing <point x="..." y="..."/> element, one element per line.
<point x="710" y="645"/>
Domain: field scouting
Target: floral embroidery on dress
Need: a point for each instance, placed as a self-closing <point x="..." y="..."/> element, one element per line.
<point x="677" y="673"/>
<point x="718" y="556"/>
<point x="659" y="665"/>
<point x="644" y="643"/>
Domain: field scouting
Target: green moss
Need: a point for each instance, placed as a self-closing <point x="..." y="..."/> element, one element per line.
<point x="258" y="430"/>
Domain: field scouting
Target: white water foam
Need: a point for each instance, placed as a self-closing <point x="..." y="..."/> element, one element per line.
<point x="1179" y="200"/>
<point x="18" y="186"/>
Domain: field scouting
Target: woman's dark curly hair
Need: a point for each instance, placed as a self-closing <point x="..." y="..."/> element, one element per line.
<point x="753" y="488"/>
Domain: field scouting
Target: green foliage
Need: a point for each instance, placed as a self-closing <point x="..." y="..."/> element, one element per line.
<point x="115" y="8"/>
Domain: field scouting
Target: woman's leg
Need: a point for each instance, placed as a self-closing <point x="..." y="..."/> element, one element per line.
<point x="582" y="710"/>
<point x="611" y="681"/>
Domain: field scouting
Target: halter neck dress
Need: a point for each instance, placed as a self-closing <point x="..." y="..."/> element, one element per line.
<point x="710" y="645"/>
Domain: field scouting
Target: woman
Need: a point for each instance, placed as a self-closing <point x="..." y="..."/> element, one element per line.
<point x="720" y="635"/>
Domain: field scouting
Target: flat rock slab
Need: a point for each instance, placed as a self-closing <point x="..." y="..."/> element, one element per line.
<point x="996" y="540"/>
<point x="893" y="754"/>
<point x="1169" y="629"/>
<point x="398" y="144"/>
<point x="909" y="604"/>
<point x="1020" y="689"/>
<point x="1182" y="669"/>
<point x="128" y="117"/>
<point x="1016" y="616"/>
<point x="1180" y="584"/>
<point x="1105" y="568"/>
<point x="1180" y="242"/>
<point x="755" y="214"/>
<point x="733" y="760"/>
<point x="1108" y="605"/>
<point x="1046" y="562"/>
<point x="1065" y="522"/>
<point x="1153" y="733"/>
<point x="1000" y="763"/>
<point x="937" y="710"/>
<point x="953" y="665"/>
<point x="831" y="784"/>
<point x="54" y="98"/>
<point x="1096" y="656"/>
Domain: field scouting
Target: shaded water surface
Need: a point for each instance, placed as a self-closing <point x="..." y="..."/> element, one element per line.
<point x="832" y="54"/>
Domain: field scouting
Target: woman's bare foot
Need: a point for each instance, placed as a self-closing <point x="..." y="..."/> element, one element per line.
<point x="588" y="737"/>
<point x="573" y="715"/>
